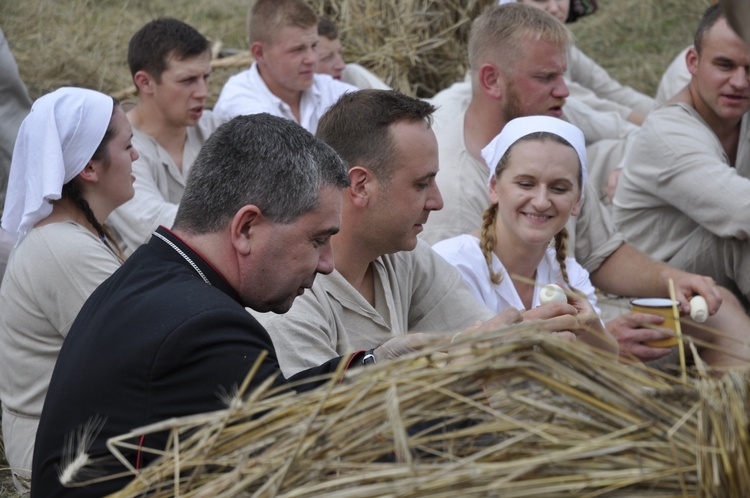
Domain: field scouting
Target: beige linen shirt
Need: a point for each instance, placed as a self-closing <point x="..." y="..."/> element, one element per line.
<point x="463" y="183"/>
<point x="159" y="183"/>
<point x="677" y="178"/>
<point x="675" y="78"/>
<point x="50" y="275"/>
<point x="415" y="291"/>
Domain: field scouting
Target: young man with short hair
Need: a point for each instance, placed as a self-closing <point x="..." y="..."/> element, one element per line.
<point x="171" y="64"/>
<point x="283" y="36"/>
<point x="684" y="194"/>
<point x="330" y="57"/>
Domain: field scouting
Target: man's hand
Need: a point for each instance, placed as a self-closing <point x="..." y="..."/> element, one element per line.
<point x="407" y="344"/>
<point x="631" y="331"/>
<point x="686" y="285"/>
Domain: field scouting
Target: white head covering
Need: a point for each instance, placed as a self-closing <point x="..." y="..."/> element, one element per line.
<point x="54" y="144"/>
<point x="520" y="127"/>
<point x="502" y="2"/>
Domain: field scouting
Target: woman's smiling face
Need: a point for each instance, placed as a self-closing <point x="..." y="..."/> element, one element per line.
<point x="537" y="192"/>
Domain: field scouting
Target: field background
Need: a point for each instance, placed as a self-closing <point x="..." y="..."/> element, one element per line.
<point x="84" y="42"/>
<point x="416" y="45"/>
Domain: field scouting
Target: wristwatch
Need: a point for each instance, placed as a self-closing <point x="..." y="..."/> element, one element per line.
<point x="369" y="357"/>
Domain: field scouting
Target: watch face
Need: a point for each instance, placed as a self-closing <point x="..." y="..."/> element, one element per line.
<point x="368" y="358"/>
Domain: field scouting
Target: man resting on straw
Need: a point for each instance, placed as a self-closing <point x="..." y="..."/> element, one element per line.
<point x="517" y="62"/>
<point x="386" y="282"/>
<point x="168" y="334"/>
<point x="282" y="81"/>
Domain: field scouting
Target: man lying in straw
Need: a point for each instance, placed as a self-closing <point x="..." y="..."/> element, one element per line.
<point x="386" y="282"/>
<point x="168" y="333"/>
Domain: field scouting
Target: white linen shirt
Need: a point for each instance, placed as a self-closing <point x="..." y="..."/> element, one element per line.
<point x="247" y="93"/>
<point x="464" y="253"/>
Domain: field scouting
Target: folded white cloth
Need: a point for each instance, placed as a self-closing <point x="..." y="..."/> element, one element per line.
<point x="520" y="127"/>
<point x="55" y="142"/>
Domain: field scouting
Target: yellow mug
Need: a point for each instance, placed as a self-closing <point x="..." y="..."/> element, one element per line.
<point x="657" y="306"/>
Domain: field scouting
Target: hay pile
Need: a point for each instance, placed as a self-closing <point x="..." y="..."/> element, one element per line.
<point x="534" y="417"/>
<point x="417" y="46"/>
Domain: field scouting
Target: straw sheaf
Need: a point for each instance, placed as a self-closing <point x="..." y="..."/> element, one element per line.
<point x="417" y="46"/>
<point x="532" y="417"/>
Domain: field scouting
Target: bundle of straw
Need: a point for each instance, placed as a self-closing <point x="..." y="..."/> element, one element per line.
<point x="416" y="46"/>
<point x="532" y="417"/>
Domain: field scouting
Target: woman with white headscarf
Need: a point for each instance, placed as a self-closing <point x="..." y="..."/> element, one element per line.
<point x="71" y="167"/>
<point x="537" y="173"/>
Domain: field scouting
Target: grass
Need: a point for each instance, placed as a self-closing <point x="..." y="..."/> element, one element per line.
<point x="83" y="43"/>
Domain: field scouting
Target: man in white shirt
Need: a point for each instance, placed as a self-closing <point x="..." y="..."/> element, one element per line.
<point x="282" y="81"/>
<point x="171" y="63"/>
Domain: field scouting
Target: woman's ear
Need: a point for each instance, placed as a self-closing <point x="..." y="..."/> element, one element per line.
<point x="494" y="198"/>
<point x="89" y="173"/>
<point x="576" y="208"/>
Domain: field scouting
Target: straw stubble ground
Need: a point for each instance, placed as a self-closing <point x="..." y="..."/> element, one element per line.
<point x="417" y="45"/>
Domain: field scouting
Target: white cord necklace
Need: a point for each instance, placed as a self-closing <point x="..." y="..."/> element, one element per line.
<point x="185" y="256"/>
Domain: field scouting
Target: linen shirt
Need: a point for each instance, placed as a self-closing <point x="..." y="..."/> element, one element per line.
<point x="674" y="79"/>
<point x="464" y="253"/>
<point x="415" y="291"/>
<point x="50" y="275"/>
<point x="247" y="93"/>
<point x="463" y="183"/>
<point x="159" y="183"/>
<point x="677" y="178"/>
<point x="361" y="77"/>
